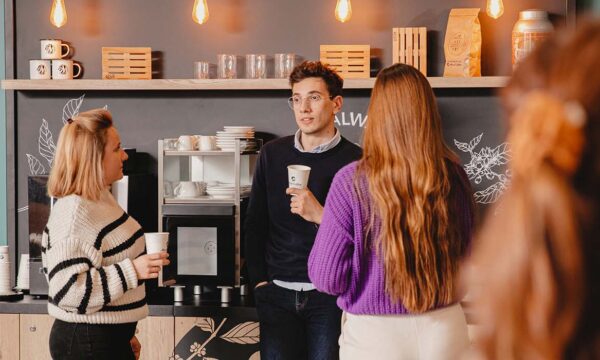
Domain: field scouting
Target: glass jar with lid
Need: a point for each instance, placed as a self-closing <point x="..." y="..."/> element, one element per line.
<point x="532" y="28"/>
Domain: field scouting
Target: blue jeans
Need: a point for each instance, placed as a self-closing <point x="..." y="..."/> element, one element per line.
<point x="90" y="341"/>
<point x="297" y="324"/>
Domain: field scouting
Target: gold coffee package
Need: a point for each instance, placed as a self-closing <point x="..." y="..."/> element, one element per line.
<point x="462" y="45"/>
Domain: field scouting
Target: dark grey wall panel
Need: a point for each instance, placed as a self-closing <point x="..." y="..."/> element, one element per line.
<point x="240" y="27"/>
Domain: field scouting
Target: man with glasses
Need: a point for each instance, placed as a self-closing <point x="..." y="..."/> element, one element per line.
<point x="296" y="321"/>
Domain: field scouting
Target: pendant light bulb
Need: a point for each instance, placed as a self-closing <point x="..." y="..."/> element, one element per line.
<point x="343" y="10"/>
<point x="58" y="14"/>
<point x="200" y="12"/>
<point x="495" y="8"/>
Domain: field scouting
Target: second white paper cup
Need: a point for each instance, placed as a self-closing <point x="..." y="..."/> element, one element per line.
<point x="298" y="176"/>
<point x="156" y="242"/>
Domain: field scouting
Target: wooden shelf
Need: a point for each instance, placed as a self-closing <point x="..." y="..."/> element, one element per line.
<point x="227" y="84"/>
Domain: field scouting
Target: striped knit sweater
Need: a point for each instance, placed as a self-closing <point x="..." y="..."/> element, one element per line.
<point x="87" y="251"/>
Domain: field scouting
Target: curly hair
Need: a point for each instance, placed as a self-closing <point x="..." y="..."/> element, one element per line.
<point x="316" y="69"/>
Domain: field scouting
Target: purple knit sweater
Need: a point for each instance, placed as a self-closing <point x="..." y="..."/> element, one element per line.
<point x="338" y="263"/>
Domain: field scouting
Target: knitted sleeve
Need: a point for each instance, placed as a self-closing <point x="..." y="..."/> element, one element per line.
<point x="330" y="261"/>
<point x="76" y="281"/>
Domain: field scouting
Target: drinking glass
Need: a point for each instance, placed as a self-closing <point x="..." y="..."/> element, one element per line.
<point x="284" y="64"/>
<point x="201" y="70"/>
<point x="227" y="66"/>
<point x="256" y="66"/>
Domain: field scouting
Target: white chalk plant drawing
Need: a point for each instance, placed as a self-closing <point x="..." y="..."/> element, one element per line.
<point x="244" y="333"/>
<point x="484" y="166"/>
<point x="46" y="145"/>
<point x="71" y="108"/>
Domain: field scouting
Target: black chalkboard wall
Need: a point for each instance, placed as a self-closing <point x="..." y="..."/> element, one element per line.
<point x="241" y="27"/>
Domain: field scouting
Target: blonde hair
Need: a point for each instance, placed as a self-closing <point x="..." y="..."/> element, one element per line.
<point x="77" y="167"/>
<point x="538" y="257"/>
<point x="406" y="165"/>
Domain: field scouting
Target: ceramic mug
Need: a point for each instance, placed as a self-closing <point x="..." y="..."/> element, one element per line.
<point x="206" y="142"/>
<point x="53" y="49"/>
<point x="187" y="189"/>
<point x="63" y="69"/>
<point x="186" y="143"/>
<point x="39" y="69"/>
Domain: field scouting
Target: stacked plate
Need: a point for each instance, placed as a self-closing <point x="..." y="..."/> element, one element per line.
<point x="226" y="138"/>
<point x="222" y="190"/>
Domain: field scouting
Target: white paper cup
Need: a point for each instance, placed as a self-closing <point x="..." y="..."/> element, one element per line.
<point x="156" y="242"/>
<point x="298" y="176"/>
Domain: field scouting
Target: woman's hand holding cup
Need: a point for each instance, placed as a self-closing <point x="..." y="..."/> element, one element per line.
<point x="156" y="249"/>
<point x="148" y="266"/>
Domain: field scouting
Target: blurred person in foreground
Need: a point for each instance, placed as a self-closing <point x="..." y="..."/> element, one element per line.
<point x="537" y="258"/>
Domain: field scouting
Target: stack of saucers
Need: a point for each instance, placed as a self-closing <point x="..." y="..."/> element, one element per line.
<point x="221" y="190"/>
<point x="226" y="138"/>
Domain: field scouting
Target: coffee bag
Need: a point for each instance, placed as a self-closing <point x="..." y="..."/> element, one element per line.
<point x="462" y="45"/>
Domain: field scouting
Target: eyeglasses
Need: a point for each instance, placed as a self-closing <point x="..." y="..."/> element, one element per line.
<point x="296" y="101"/>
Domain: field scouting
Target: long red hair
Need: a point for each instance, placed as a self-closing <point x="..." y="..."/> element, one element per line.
<point x="405" y="162"/>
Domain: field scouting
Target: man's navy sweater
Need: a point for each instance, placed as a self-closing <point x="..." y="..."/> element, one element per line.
<point x="278" y="242"/>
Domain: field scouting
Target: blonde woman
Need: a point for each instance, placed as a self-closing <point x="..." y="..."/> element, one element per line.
<point x="395" y="226"/>
<point x="93" y="252"/>
<point x="538" y="258"/>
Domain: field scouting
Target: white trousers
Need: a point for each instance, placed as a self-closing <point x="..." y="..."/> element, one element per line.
<point x="435" y="335"/>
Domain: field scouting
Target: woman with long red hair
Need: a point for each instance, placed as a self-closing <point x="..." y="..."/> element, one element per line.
<point x="395" y="226"/>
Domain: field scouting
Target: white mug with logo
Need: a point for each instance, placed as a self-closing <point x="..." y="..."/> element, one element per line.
<point x="53" y="49"/>
<point x="63" y="69"/>
<point x="39" y="69"/>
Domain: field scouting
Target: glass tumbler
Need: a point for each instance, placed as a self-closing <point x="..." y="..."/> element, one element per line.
<point x="227" y="66"/>
<point x="284" y="64"/>
<point x="201" y="70"/>
<point x="256" y="66"/>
